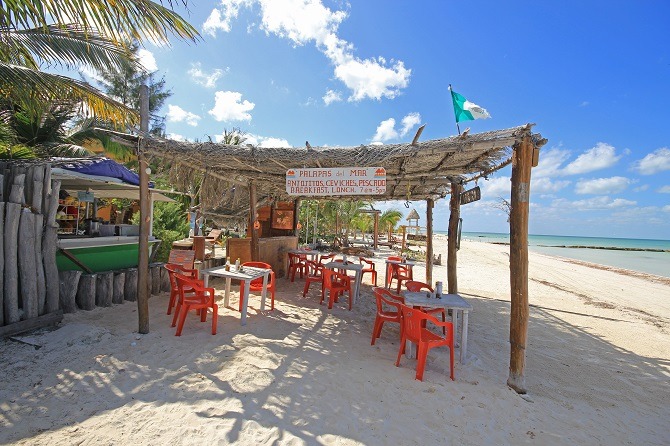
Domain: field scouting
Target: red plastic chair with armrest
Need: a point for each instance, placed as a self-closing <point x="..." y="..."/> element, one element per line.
<point x="257" y="284"/>
<point x="414" y="330"/>
<point x="314" y="274"/>
<point x="173" y="269"/>
<point x="335" y="284"/>
<point x="201" y="299"/>
<point x="296" y="262"/>
<point x="368" y="267"/>
<point x="385" y="299"/>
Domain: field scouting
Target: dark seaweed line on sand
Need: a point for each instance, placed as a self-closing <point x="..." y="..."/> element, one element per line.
<point x="611" y="248"/>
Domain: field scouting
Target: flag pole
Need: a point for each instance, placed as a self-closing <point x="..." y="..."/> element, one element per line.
<point x="452" y="104"/>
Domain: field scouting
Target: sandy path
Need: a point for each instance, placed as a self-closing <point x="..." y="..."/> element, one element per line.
<point x="598" y="363"/>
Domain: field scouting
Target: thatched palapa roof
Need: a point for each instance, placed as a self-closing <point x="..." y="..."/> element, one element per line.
<point x="414" y="171"/>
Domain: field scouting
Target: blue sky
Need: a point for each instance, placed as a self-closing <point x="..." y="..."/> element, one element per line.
<point x="594" y="77"/>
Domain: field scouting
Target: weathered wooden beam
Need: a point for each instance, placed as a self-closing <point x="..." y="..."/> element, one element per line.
<point x="452" y="243"/>
<point x="429" y="240"/>
<point x="31" y="324"/>
<point x="143" y="282"/>
<point x="252" y="219"/>
<point x="518" y="261"/>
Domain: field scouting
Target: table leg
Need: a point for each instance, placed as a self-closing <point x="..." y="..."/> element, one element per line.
<point x="226" y="297"/>
<point x="409" y="349"/>
<point x="245" y="303"/>
<point x="357" y="285"/>
<point x="205" y="279"/>
<point x="464" y="336"/>
<point x="264" y="292"/>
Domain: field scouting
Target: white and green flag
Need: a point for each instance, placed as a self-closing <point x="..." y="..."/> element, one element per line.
<point x="466" y="110"/>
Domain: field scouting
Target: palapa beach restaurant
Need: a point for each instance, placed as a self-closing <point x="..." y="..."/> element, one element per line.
<point x="262" y="187"/>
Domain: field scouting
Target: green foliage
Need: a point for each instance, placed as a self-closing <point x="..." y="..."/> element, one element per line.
<point x="167" y="236"/>
<point x="172" y="217"/>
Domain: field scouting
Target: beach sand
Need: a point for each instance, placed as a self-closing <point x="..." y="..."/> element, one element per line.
<point x="597" y="369"/>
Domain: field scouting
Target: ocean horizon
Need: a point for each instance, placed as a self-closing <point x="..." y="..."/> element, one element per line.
<point x="643" y="255"/>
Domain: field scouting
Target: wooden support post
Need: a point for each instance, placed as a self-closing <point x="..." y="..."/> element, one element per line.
<point x="130" y="287"/>
<point x="429" y="240"/>
<point x="118" y="286"/>
<point x="518" y="262"/>
<point x="85" y="297"/>
<point x="403" y="244"/>
<point x="104" y="288"/>
<point x="68" y="286"/>
<point x="375" y="236"/>
<point x="252" y="219"/>
<point x="452" y="244"/>
<point x="296" y="217"/>
<point x="143" y="282"/>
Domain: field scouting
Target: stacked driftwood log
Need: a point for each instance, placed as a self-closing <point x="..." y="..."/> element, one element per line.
<point x="28" y="238"/>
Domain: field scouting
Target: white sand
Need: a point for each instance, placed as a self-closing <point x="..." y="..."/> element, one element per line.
<point x="597" y="370"/>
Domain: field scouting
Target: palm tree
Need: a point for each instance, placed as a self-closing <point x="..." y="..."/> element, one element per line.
<point x="84" y="33"/>
<point x="389" y="219"/>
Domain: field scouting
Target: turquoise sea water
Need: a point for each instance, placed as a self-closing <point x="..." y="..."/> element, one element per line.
<point x="584" y="248"/>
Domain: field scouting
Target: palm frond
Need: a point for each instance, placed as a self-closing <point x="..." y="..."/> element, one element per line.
<point x="119" y="19"/>
<point x="67" y="45"/>
<point x="20" y="84"/>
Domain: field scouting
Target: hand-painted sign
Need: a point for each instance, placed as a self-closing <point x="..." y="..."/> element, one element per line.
<point x="471" y="195"/>
<point x="336" y="181"/>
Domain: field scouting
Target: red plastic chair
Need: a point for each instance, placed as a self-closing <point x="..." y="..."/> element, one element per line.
<point x="413" y="330"/>
<point x="201" y="299"/>
<point x="368" y="267"/>
<point x="296" y="262"/>
<point x="335" y="284"/>
<point x="400" y="273"/>
<point x="324" y="258"/>
<point x="385" y="299"/>
<point x="413" y="285"/>
<point x="257" y="284"/>
<point x="173" y="269"/>
<point x="315" y="274"/>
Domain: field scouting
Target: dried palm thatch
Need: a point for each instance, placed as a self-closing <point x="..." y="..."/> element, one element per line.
<point x="221" y="173"/>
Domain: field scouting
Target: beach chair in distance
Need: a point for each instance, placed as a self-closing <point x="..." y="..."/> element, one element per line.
<point x="257" y="284"/>
<point x="200" y="298"/>
<point x="386" y="301"/>
<point x="213" y="235"/>
<point x="414" y="330"/>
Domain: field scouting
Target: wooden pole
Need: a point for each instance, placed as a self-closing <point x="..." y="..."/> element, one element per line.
<point x="375" y="236"/>
<point x="403" y="244"/>
<point x="143" y="283"/>
<point x="296" y="217"/>
<point x="429" y="240"/>
<point x="253" y="217"/>
<point x="518" y="262"/>
<point x="452" y="245"/>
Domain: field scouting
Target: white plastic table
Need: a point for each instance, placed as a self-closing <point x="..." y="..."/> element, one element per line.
<point x="349" y="266"/>
<point x="245" y="276"/>
<point x="452" y="302"/>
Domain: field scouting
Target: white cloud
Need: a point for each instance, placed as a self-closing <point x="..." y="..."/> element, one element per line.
<point x="602" y="186"/>
<point x="655" y="162"/>
<point x="260" y="141"/>
<point x="147" y="60"/>
<point x="385" y="131"/>
<point x="332" y="96"/>
<point x="499" y="186"/>
<point x="641" y="188"/>
<point x="550" y="162"/>
<point x="228" y="106"/>
<point x="309" y="21"/>
<point x="664" y="190"/>
<point x="599" y="157"/>
<point x="178" y="114"/>
<point x="593" y="204"/>
<point x="584" y="104"/>
<point x="176" y="137"/>
<point x="546" y="185"/>
<point x="666" y="208"/>
<point x="203" y="78"/>
<point x="217" y="22"/>
<point x="409" y="121"/>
